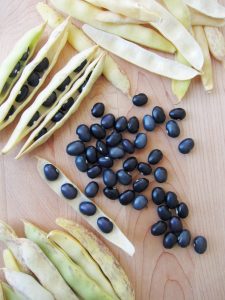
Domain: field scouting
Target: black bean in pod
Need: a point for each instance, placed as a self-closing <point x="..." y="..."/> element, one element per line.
<point x="43" y="65"/>
<point x="140" y="141"/>
<point x="121" y="124"/>
<point x="140" y="202"/>
<point x="182" y="210"/>
<point x="69" y="191"/>
<point x="91" y="154"/>
<point x="101" y="147"/>
<point x="116" y="153"/>
<point x="98" y="131"/>
<point x="158" y="195"/>
<point x="140" y="99"/>
<point x="200" y="244"/>
<point x="83" y="133"/>
<point x="160" y="174"/>
<point x="51" y="172"/>
<point x="58" y="117"/>
<point x="186" y="146"/>
<point x="158" y="115"/>
<point x="172" y="128"/>
<point x="66" y="106"/>
<point x="94" y="172"/>
<point x="105" y="161"/>
<point x="50" y="100"/>
<point x="87" y="208"/>
<point x="127" y="197"/>
<point x="81" y="163"/>
<point x="155" y="156"/>
<point x="140" y="185"/>
<point x="42" y="132"/>
<point x="33" y="79"/>
<point x="169" y="240"/>
<point x="111" y="193"/>
<point x="184" y="238"/>
<point x="10" y="112"/>
<point x="133" y="125"/>
<point x="64" y="84"/>
<point x="91" y="189"/>
<point x="128" y="146"/>
<point x="108" y="121"/>
<point x="105" y="225"/>
<point x="22" y="94"/>
<point x="25" y="55"/>
<point x="15" y="70"/>
<point x="130" y="164"/>
<point x="33" y="119"/>
<point x="175" y="224"/>
<point x="109" y="178"/>
<point x="123" y="177"/>
<point x="98" y="110"/>
<point x="177" y="114"/>
<point x="113" y="139"/>
<point x="144" y="168"/>
<point x="81" y="66"/>
<point x="163" y="212"/>
<point x="171" y="200"/>
<point x="158" y="228"/>
<point x="148" y="123"/>
<point x="75" y="148"/>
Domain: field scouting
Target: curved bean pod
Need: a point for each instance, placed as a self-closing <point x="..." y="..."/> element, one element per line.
<point x="208" y="7"/>
<point x="199" y="19"/>
<point x="216" y="42"/>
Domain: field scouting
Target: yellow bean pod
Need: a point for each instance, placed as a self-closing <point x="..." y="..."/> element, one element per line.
<point x="199" y="19"/>
<point x="210" y="8"/>
<point x="10" y="294"/>
<point x="2" y="297"/>
<point x="216" y="42"/>
<point x="10" y="261"/>
<point x="111" y="17"/>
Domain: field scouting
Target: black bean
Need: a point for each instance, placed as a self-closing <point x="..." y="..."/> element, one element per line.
<point x="25" y="55"/>
<point x="10" y="112"/>
<point x="140" y="141"/>
<point x="140" y="202"/>
<point x="111" y="193"/>
<point x="81" y="163"/>
<point x="121" y="124"/>
<point x="83" y="133"/>
<point x="66" y="106"/>
<point x="101" y="147"/>
<point x="94" y="171"/>
<point x="126" y="197"/>
<point x="43" y="65"/>
<point x="58" y="117"/>
<point x="87" y="208"/>
<point x="91" y="154"/>
<point x="173" y="129"/>
<point x="128" y="146"/>
<point x="140" y="99"/>
<point x="158" y="228"/>
<point x="182" y="210"/>
<point x="109" y="178"/>
<point x="113" y="139"/>
<point x="15" y="70"/>
<point x="105" y="225"/>
<point x="91" y="189"/>
<point x="130" y="164"/>
<point x="50" y="100"/>
<point x="140" y="185"/>
<point x="42" y="132"/>
<point x="5" y="88"/>
<point x="98" y="110"/>
<point x="81" y="66"/>
<point x="33" y="119"/>
<point x="69" y="191"/>
<point x="160" y="174"/>
<point x="177" y="114"/>
<point x="98" y="131"/>
<point x="158" y="195"/>
<point x="124" y="177"/>
<point x="175" y="224"/>
<point x="163" y="212"/>
<point x="144" y="168"/>
<point x="105" y="161"/>
<point x="200" y="244"/>
<point x="155" y="156"/>
<point x="116" y="153"/>
<point x="80" y="89"/>
<point x="133" y="125"/>
<point x="108" y="121"/>
<point x="75" y="148"/>
<point x="169" y="240"/>
<point x="158" y="115"/>
<point x="186" y="146"/>
<point x="64" y="84"/>
<point x="22" y="94"/>
<point x="149" y="123"/>
<point x="51" y="172"/>
<point x="33" y="79"/>
<point x="184" y="238"/>
<point x="171" y="200"/>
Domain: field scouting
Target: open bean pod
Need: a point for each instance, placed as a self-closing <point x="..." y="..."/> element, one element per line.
<point x="50" y="96"/>
<point x="34" y="75"/>
<point x="115" y="236"/>
<point x="12" y="67"/>
<point x="65" y="108"/>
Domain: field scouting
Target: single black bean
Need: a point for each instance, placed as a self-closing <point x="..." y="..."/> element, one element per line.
<point x="163" y="212"/>
<point x="126" y="197"/>
<point x="121" y="124"/>
<point x="80" y="89"/>
<point x="130" y="164"/>
<point x="105" y="161"/>
<point x="186" y="146"/>
<point x="140" y="202"/>
<point x="105" y="225"/>
<point x="10" y="112"/>
<point x="169" y="240"/>
<point x="160" y="174"/>
<point x="50" y="100"/>
<point x="200" y="244"/>
<point x="158" y="115"/>
<point x="140" y="185"/>
<point x="177" y="114"/>
<point x="140" y="141"/>
<point x="58" y="117"/>
<point x="43" y="65"/>
<point x="140" y="99"/>
<point x="184" y="238"/>
<point x="175" y="224"/>
<point x="66" y="106"/>
<point x="149" y="123"/>
<point x="64" y="84"/>
<point x="91" y="189"/>
<point x="25" y="55"/>
<point x="98" y="131"/>
<point x="144" y="168"/>
<point x="83" y="133"/>
<point x="75" y="148"/>
<point x="94" y="171"/>
<point x="155" y="156"/>
<point x="81" y="66"/>
<point x="128" y="146"/>
<point x="51" y="172"/>
<point x="22" y="94"/>
<point x="133" y="125"/>
<point x="101" y="147"/>
<point x="87" y="208"/>
<point x="109" y="178"/>
<point x="158" y="195"/>
<point x="172" y="128"/>
<point x="98" y="110"/>
<point x="113" y="139"/>
<point x="124" y="177"/>
<point x="15" y="70"/>
<point x="116" y="153"/>
<point x="81" y="163"/>
<point x="42" y="132"/>
<point x="158" y="228"/>
<point x="33" y="79"/>
<point x="182" y="210"/>
<point x="108" y="121"/>
<point x="91" y="154"/>
<point x="69" y="191"/>
<point x="171" y="200"/>
<point x="111" y="193"/>
<point x="33" y="119"/>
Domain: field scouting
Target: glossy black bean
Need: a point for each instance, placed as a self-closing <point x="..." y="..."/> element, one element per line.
<point x="140" y="185"/>
<point x="184" y="238"/>
<point x="98" y="131"/>
<point x="69" y="191"/>
<point x="140" y="99"/>
<point x="123" y="177"/>
<point x="42" y="132"/>
<point x="51" y="172"/>
<point x="75" y="148"/>
<point x="101" y="147"/>
<point x="169" y="240"/>
<point x="22" y="94"/>
<point x="105" y="225"/>
<point x="111" y="193"/>
<point x="33" y="119"/>
<point x="113" y="139"/>
<point x="64" y="84"/>
<point x="10" y="112"/>
<point x="108" y="121"/>
<point x="50" y="100"/>
<point x="128" y="146"/>
<point x="140" y="141"/>
<point x="80" y="89"/>
<point x="182" y="210"/>
<point x="43" y="65"/>
<point x="91" y="154"/>
<point x="175" y="224"/>
<point x="163" y="212"/>
<point x="105" y="161"/>
<point x="126" y="197"/>
<point x="121" y="124"/>
<point x="98" y="110"/>
<point x="87" y="208"/>
<point x="94" y="172"/>
<point x="158" y="228"/>
<point x="15" y="70"/>
<point x="109" y="178"/>
<point x="149" y="123"/>
<point x="158" y="195"/>
<point x="200" y="244"/>
<point x="33" y="79"/>
<point x="81" y="163"/>
<point x="91" y="189"/>
<point x="177" y="114"/>
<point x="81" y="66"/>
<point x="158" y="115"/>
<point x="155" y="156"/>
<point x="83" y="133"/>
<point x="25" y="55"/>
<point x="160" y="174"/>
<point x="130" y="164"/>
<point x="144" y="168"/>
<point x="186" y="146"/>
<point x="116" y="153"/>
<point x="66" y="106"/>
<point x="172" y="129"/>
<point x="140" y="202"/>
<point x="133" y="125"/>
<point x="58" y="117"/>
<point x="171" y="200"/>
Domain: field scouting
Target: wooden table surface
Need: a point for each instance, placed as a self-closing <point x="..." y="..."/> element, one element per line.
<point x="198" y="178"/>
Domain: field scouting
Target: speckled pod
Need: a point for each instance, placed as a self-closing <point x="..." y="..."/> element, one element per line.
<point x="13" y="65"/>
<point x="24" y="90"/>
<point x="34" y="114"/>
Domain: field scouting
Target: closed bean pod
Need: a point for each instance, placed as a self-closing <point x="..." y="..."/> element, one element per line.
<point x="10" y="294"/>
<point x="112" y="17"/>
<point x="208" y="7"/>
<point x="10" y="261"/>
<point x="216" y="42"/>
<point x="199" y="19"/>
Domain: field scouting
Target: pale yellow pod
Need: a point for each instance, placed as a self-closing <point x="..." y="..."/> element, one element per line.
<point x="2" y="297"/>
<point x="10" y="294"/>
<point x="111" y="17"/>
<point x="216" y="42"/>
<point x="10" y="261"/>
<point x="199" y="19"/>
<point x="208" y="7"/>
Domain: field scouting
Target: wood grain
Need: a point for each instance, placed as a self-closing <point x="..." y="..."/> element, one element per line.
<point x="198" y="178"/>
